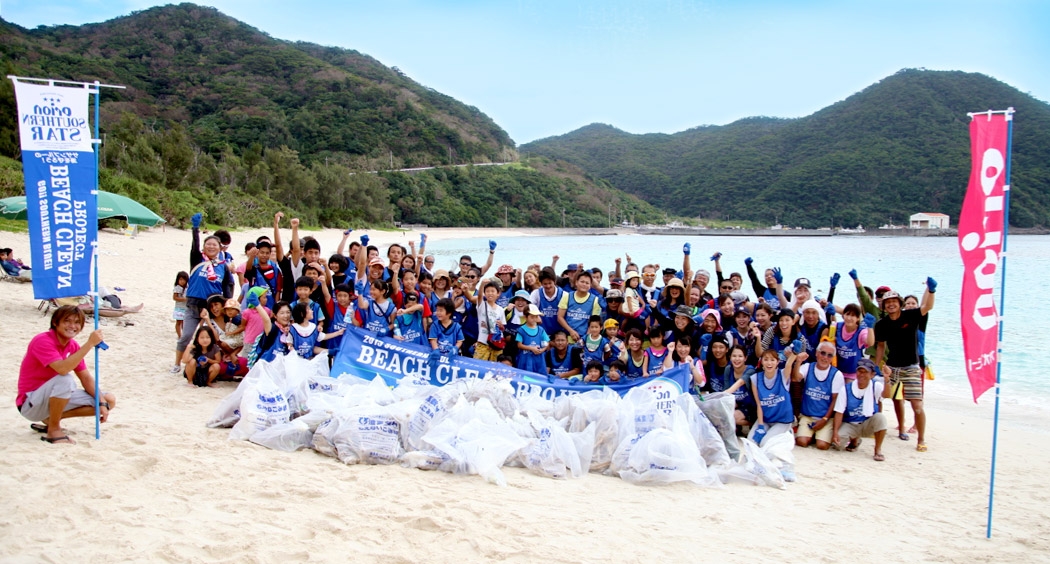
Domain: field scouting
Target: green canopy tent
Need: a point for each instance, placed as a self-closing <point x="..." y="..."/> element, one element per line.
<point x="109" y="205"/>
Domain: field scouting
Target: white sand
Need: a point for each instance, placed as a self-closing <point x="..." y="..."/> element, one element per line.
<point x="160" y="486"/>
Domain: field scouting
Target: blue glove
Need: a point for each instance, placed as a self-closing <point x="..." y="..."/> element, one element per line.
<point x="492" y="245"/>
<point x="835" y="279"/>
<point x="348" y="231"/>
<point x="778" y="276"/>
<point x="931" y="284"/>
<point x="686" y="248"/>
<point x="202" y="359"/>
<point x="798" y="346"/>
<point x="253" y="300"/>
<point x="196" y="220"/>
<point x="748" y="261"/>
<point x="716" y="256"/>
<point x="434" y="358"/>
<point x="830" y="312"/>
<point x="102" y="346"/>
<point x="422" y="239"/>
<point x="759" y="434"/>
<point x="868" y="321"/>
<point x="364" y="240"/>
<point x="853" y="273"/>
<point x="705" y="340"/>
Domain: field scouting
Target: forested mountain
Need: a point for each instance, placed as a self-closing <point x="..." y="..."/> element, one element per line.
<point x="897" y="147"/>
<point x="222" y="117"/>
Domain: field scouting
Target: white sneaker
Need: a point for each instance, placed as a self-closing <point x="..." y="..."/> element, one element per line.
<point x="176" y="369"/>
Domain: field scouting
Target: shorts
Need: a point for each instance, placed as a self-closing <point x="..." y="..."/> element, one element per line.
<point x="906" y="382"/>
<point x="484" y="352"/>
<point x="36" y="405"/>
<point x="824" y="434"/>
<point x="868" y="428"/>
<point x="178" y="314"/>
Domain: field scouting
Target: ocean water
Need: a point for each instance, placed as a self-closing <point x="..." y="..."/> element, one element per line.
<point x="903" y="263"/>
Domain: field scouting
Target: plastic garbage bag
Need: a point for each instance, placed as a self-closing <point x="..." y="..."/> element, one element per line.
<point x="720" y="409"/>
<point x="474" y="447"/>
<point x="712" y="448"/>
<point x="430" y="459"/>
<point x="499" y="392"/>
<point x="754" y="468"/>
<point x="228" y="411"/>
<point x="263" y="405"/>
<point x="432" y="408"/>
<point x="662" y="456"/>
<point x="602" y="411"/>
<point x="584" y="443"/>
<point x="553" y="452"/>
<point x="375" y="392"/>
<point x="365" y="434"/>
<point x="779" y="449"/>
<point x="640" y="413"/>
<point x="290" y="436"/>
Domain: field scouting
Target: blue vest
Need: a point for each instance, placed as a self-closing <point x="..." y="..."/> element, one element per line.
<point x="854" y="405"/>
<point x="775" y="401"/>
<point x="656" y="361"/>
<point x="339" y="320"/>
<point x="304" y="346"/>
<point x="816" y="398"/>
<point x="577" y="315"/>
<point x="557" y="367"/>
<point x="374" y="317"/>
<point x="531" y="361"/>
<point x="411" y="329"/>
<point x="589" y="355"/>
<point x="771" y="299"/>
<point x="200" y="287"/>
<point x="719" y="379"/>
<point x="549" y="311"/>
<point x="260" y="280"/>
<point x="743" y="393"/>
<point x="848" y="351"/>
<point x="446" y="338"/>
<point x="634" y="370"/>
<point x="275" y="348"/>
<point x="504" y="299"/>
<point x="812" y="339"/>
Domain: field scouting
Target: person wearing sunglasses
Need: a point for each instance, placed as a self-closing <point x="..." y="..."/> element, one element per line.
<point x="822" y="385"/>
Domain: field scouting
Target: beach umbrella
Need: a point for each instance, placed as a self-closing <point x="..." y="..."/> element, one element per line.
<point x="13" y="208"/>
<point x="109" y="205"/>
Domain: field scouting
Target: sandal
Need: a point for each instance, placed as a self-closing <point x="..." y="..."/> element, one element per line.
<point x="879" y="457"/>
<point x="903" y="436"/>
<point x="38" y="427"/>
<point x="63" y="438"/>
<point x="852" y="446"/>
<point x="920" y="448"/>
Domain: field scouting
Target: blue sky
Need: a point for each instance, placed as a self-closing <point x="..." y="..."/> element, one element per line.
<point x="543" y="67"/>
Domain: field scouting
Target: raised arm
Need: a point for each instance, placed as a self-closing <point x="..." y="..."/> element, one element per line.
<point x="277" y="246"/>
<point x="361" y="261"/>
<point x="758" y="286"/>
<point x="488" y="263"/>
<point x="687" y="266"/>
<point x="718" y="268"/>
<point x="927" y="296"/>
<point x="297" y="249"/>
<point x="342" y="242"/>
<point x="862" y="295"/>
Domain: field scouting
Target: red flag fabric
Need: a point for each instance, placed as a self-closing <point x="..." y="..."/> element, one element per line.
<point x="980" y="242"/>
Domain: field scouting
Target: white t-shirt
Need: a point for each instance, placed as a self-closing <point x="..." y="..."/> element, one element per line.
<point x="495" y="315"/>
<point x="869" y="394"/>
<point x="837" y="383"/>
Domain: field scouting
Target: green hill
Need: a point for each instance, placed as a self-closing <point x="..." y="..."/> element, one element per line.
<point x="222" y="117"/>
<point x="897" y="147"/>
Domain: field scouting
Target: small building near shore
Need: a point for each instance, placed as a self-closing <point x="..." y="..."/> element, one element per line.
<point x="928" y="221"/>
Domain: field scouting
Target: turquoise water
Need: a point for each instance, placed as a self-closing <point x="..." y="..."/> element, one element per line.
<point x="903" y="263"/>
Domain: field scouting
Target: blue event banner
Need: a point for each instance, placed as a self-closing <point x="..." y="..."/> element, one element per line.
<point x="365" y="355"/>
<point x="58" y="163"/>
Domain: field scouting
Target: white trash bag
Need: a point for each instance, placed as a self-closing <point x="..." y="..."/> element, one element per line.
<point x="754" y="468"/>
<point x="779" y="450"/>
<point x="711" y="445"/>
<point x="720" y="409"/>
<point x="365" y="434"/>
<point x="263" y="405"/>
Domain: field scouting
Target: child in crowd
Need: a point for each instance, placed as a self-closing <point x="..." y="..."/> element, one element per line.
<point x="409" y="320"/>
<point x="203" y="360"/>
<point x="305" y="335"/>
<point x="533" y="342"/>
<point x="656" y="353"/>
<point x="375" y="310"/>
<point x="233" y="336"/>
<point x="616" y="370"/>
<point x="563" y="361"/>
<point x="179" y="295"/>
<point x="340" y="313"/>
<point x="611" y="332"/>
<point x="681" y="356"/>
<point x="445" y="334"/>
<point x="594" y="371"/>
<point x="594" y="346"/>
<point x="634" y="354"/>
<point x="275" y="338"/>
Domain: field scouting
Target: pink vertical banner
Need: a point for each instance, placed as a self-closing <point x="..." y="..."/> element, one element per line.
<point x="981" y="230"/>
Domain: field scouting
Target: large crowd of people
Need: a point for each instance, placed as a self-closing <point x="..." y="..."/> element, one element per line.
<point x="812" y="365"/>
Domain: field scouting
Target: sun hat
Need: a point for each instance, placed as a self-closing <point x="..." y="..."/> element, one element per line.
<point x="533" y="310"/>
<point x="520" y="294"/>
<point x="505" y="269"/>
<point x="684" y="311"/>
<point x="232" y="304"/>
<point x="891" y="295"/>
<point x="632" y="274"/>
<point x="675" y="283"/>
<point x="613" y="295"/>
<point x="441" y="273"/>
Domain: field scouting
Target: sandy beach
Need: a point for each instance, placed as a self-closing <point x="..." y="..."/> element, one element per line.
<point x="160" y="486"/>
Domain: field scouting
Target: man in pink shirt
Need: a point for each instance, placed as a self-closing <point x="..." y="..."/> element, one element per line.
<point x="47" y="389"/>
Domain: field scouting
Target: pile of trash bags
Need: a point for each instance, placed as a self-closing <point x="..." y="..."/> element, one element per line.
<point x="477" y="426"/>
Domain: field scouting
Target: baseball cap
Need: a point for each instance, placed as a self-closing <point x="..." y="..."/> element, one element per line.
<point x="375" y="261"/>
<point x="611" y="323"/>
<point x="738" y="297"/>
<point x="670" y="271"/>
<point x="684" y="311"/>
<point x="802" y="282"/>
<point x="891" y="295"/>
<point x="866" y="364"/>
<point x="533" y="310"/>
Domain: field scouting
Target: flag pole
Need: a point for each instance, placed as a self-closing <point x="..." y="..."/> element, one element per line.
<point x="94" y="261"/>
<point x="1002" y="304"/>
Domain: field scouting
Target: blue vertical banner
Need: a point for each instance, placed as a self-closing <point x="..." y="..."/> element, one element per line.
<point x="60" y="172"/>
